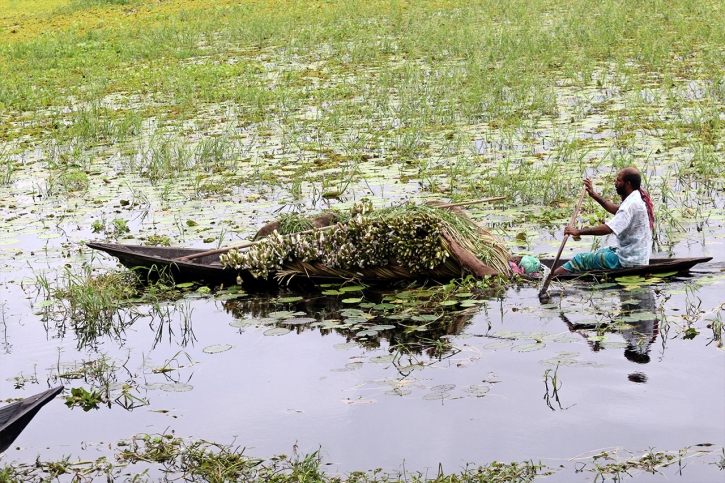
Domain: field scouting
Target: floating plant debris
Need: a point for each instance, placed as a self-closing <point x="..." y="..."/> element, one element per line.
<point x="277" y="331"/>
<point x="217" y="348"/>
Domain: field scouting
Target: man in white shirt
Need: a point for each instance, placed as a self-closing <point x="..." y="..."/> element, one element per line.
<point x="632" y="225"/>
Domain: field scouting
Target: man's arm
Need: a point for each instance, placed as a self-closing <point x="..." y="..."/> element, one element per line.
<point x="600" y="230"/>
<point x="607" y="205"/>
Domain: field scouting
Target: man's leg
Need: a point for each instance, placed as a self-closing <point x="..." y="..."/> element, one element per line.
<point x="581" y="262"/>
<point x="604" y="258"/>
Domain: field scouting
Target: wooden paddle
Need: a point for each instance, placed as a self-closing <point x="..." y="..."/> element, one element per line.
<point x="543" y="295"/>
<point x="307" y="232"/>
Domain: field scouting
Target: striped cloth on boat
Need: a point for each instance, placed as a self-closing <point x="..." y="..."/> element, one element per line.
<point x="604" y="258"/>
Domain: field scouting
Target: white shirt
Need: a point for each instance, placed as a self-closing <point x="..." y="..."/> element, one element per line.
<point x="634" y="236"/>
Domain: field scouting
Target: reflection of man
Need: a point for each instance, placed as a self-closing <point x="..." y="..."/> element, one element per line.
<point x="642" y="333"/>
<point x="632" y="225"/>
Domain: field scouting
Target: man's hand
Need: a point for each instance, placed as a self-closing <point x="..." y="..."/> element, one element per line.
<point x="570" y="230"/>
<point x="607" y="205"/>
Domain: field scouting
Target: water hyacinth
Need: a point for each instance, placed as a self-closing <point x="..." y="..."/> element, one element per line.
<point x="410" y="236"/>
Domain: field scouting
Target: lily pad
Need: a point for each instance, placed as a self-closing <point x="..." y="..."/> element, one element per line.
<point x="298" y="320"/>
<point x="528" y="347"/>
<point x="398" y="392"/>
<point x="477" y="389"/>
<point x="289" y="299"/>
<point x="411" y="367"/>
<point x="351" y="300"/>
<point x="351" y="288"/>
<point x="176" y="387"/>
<point x="282" y="314"/>
<point x="498" y="345"/>
<point x="345" y="346"/>
<point x="443" y="388"/>
<point x="436" y="396"/>
<point x="153" y="386"/>
<point x="384" y="306"/>
<point x="355" y="320"/>
<point x="217" y="348"/>
<point x="383" y="359"/>
<point x="549" y="306"/>
<point x="667" y="274"/>
<point x="367" y="333"/>
<point x="505" y="334"/>
<point x="352" y="313"/>
<point x="277" y="331"/>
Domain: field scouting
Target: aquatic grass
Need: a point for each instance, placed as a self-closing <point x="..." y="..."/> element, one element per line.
<point x="7" y="166"/>
<point x="93" y="304"/>
<point x="190" y="460"/>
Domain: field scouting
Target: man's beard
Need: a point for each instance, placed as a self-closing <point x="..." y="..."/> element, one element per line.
<point x="620" y="190"/>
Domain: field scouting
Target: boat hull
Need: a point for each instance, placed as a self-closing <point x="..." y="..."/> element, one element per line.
<point x="656" y="266"/>
<point x="210" y="270"/>
<point x="15" y="416"/>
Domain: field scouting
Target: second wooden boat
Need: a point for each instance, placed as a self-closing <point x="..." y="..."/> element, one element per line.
<point x="15" y="416"/>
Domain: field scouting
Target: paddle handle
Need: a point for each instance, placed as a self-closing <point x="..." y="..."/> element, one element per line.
<point x="545" y="286"/>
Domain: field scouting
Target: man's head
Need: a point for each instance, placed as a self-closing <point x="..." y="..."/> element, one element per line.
<point x="627" y="181"/>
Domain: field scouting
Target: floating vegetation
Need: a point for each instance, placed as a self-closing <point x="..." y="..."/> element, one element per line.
<point x="217" y="348"/>
<point x="191" y="123"/>
<point x="277" y="331"/>
<point x="391" y="243"/>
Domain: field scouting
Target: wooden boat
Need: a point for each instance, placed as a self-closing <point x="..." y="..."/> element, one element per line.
<point x="656" y="266"/>
<point x="208" y="269"/>
<point x="15" y="416"/>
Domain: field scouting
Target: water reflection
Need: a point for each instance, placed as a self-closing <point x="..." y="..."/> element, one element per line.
<point x="636" y="321"/>
<point x="413" y="327"/>
<point x="640" y="333"/>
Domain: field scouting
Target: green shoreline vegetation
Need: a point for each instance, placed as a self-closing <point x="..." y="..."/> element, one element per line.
<point x="173" y="458"/>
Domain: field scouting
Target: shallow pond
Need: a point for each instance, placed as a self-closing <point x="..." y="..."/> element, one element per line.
<point x="378" y="378"/>
<point x="472" y="386"/>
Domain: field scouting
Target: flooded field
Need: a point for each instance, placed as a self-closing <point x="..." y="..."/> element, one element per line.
<point x="193" y="126"/>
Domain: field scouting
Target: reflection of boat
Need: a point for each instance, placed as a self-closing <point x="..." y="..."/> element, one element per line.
<point x="210" y="270"/>
<point x="14" y="417"/>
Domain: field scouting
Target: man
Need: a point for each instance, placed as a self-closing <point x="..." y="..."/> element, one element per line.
<point x="632" y="225"/>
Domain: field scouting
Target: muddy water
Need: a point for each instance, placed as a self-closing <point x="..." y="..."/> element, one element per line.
<point x="639" y="387"/>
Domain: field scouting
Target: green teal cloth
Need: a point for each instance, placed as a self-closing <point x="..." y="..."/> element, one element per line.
<point x="603" y="258"/>
<point x="530" y="264"/>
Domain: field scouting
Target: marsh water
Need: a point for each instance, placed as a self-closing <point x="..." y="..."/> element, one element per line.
<point x="390" y="399"/>
<point x="375" y="376"/>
